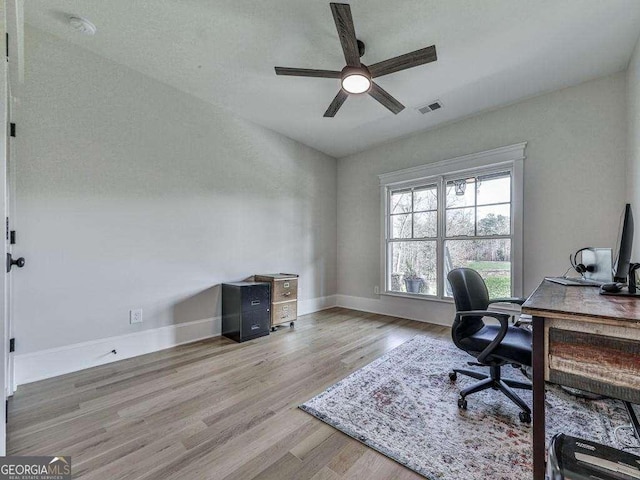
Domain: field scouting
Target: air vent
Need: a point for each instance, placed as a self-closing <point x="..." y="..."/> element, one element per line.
<point x="436" y="105"/>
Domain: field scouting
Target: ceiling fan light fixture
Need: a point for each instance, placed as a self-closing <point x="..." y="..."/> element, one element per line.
<point x="356" y="77"/>
<point x="356" y="80"/>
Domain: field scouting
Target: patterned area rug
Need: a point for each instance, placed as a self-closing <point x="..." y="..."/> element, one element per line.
<point x="404" y="405"/>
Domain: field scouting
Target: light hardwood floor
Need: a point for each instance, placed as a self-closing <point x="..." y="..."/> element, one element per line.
<point x="214" y="409"/>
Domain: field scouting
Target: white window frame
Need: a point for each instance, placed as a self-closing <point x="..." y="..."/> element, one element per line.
<point x="509" y="158"/>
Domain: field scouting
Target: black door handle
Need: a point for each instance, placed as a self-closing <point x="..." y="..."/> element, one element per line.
<point x="19" y="262"/>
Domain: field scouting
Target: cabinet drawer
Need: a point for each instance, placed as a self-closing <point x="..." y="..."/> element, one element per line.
<point x="285" y="290"/>
<point x="255" y="322"/>
<point x="255" y="297"/>
<point x="284" y="312"/>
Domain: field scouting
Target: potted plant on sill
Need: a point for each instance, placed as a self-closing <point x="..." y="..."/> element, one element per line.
<point x="412" y="282"/>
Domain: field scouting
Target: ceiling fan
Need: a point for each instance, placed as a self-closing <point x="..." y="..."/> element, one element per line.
<point x="356" y="77"/>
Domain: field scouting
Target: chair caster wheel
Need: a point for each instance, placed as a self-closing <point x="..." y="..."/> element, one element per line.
<point x="525" y="417"/>
<point x="292" y="324"/>
<point x="462" y="403"/>
<point x="273" y="329"/>
<point x="453" y="376"/>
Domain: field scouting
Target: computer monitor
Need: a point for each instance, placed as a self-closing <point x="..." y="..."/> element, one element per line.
<point x="621" y="269"/>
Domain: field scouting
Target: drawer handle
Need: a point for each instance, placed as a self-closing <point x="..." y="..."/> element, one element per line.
<point x="255" y="327"/>
<point x="286" y="294"/>
<point x="255" y="302"/>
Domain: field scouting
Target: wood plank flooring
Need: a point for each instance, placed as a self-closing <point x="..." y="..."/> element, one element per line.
<point x="214" y="409"/>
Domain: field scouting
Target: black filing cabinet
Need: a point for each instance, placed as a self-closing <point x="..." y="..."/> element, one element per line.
<point x="246" y="310"/>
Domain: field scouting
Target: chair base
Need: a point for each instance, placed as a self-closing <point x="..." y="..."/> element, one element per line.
<point x="494" y="381"/>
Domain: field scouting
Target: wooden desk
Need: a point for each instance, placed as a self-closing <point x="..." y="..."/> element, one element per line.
<point x="584" y="340"/>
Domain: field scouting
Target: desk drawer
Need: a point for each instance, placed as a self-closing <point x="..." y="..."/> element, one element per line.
<point x="596" y="363"/>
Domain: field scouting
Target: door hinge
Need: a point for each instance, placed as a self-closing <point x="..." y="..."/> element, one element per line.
<point x="12" y="345"/>
<point x="12" y="129"/>
<point x="6" y="45"/>
<point x="12" y="237"/>
<point x="6" y="230"/>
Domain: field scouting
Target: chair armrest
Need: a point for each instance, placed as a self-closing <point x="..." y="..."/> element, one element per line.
<point x="503" y="318"/>
<point x="523" y="320"/>
<point x="516" y="300"/>
<point x="483" y="313"/>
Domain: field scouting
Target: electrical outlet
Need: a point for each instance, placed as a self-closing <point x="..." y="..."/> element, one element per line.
<point x="376" y="290"/>
<point x="135" y="316"/>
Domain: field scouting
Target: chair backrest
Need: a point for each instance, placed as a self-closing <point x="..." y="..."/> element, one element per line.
<point x="469" y="293"/>
<point x="469" y="289"/>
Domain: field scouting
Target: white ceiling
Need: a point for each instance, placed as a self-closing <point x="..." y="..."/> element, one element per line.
<point x="490" y="53"/>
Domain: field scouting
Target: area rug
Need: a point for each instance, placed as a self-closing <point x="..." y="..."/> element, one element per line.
<point x="404" y="406"/>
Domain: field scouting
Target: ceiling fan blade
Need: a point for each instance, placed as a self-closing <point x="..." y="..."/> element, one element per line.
<point x="347" y="33"/>
<point x="336" y="104"/>
<point x="402" y="62"/>
<point x="307" y="72"/>
<point x="385" y="98"/>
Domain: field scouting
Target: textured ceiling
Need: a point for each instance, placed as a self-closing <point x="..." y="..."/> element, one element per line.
<point x="490" y="53"/>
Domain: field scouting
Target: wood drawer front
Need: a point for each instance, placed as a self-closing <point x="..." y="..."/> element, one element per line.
<point x="284" y="312"/>
<point x="595" y="363"/>
<point x="285" y="290"/>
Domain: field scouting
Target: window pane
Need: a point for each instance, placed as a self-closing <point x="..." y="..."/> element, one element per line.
<point x="400" y="202"/>
<point x="413" y="267"/>
<point x="425" y="224"/>
<point x="401" y="226"/>
<point x="425" y="199"/>
<point x="494" y="220"/>
<point x="461" y="221"/>
<point x="495" y="189"/>
<point x="455" y="195"/>
<point x="491" y="258"/>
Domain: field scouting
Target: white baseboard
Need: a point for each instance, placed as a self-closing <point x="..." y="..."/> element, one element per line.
<point x="316" y="304"/>
<point x="438" y="312"/>
<point x="31" y="367"/>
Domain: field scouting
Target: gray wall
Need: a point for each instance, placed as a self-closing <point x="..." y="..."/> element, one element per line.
<point x="574" y="179"/>
<point x="132" y="194"/>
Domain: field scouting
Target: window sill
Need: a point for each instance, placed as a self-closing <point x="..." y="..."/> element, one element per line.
<point x="429" y="298"/>
<point x="500" y="307"/>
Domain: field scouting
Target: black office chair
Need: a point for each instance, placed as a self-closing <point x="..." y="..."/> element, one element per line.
<point x="492" y="345"/>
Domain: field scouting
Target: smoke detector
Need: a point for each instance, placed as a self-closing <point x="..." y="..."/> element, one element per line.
<point x="82" y="25"/>
<point x="435" y="105"/>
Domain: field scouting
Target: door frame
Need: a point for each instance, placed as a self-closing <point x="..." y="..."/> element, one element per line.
<point x="14" y="25"/>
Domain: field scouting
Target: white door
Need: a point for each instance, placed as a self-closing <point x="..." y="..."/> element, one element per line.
<point x="9" y="240"/>
<point x="4" y="146"/>
<point x="12" y="71"/>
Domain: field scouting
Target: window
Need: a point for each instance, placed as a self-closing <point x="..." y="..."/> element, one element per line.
<point x="478" y="228"/>
<point x="413" y="221"/>
<point x="461" y="217"/>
